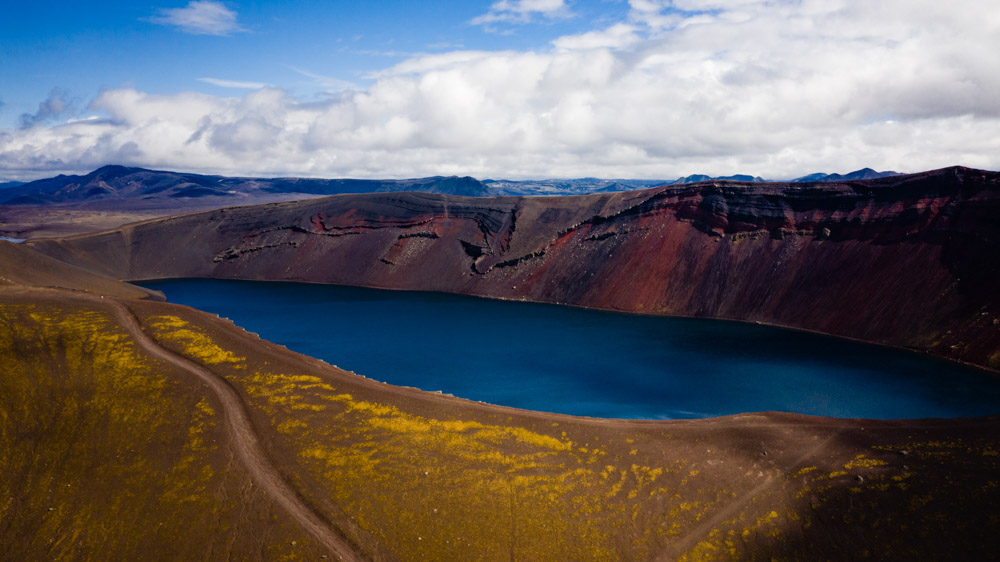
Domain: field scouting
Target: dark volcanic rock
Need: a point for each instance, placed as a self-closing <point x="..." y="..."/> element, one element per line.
<point x="905" y="260"/>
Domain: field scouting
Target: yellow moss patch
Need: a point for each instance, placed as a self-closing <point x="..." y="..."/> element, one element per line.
<point x="804" y="471"/>
<point x="861" y="462"/>
<point x="193" y="342"/>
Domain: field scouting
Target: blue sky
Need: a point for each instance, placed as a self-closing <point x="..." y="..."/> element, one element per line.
<point x="304" y="46"/>
<point x="511" y="88"/>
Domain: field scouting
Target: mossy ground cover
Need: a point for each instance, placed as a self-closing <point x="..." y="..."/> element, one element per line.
<point x="106" y="453"/>
<point x="906" y="498"/>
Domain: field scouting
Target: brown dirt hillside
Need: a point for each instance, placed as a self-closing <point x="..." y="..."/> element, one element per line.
<point x="910" y="261"/>
<point x="33" y="221"/>
<point x="136" y="429"/>
<point x="20" y="265"/>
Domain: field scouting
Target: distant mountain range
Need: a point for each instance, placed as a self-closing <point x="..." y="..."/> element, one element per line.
<point x="160" y="188"/>
<point x="111" y="185"/>
<point x="862" y="174"/>
<point x="578" y="186"/>
<point x="583" y="186"/>
<point x="695" y="178"/>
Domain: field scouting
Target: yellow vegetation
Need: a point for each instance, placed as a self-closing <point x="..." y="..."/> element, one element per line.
<point x="103" y="454"/>
<point x="861" y="462"/>
<point x="499" y="486"/>
<point x="193" y="342"/>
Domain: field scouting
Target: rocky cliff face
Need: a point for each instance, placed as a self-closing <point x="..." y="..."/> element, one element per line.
<point x="907" y="260"/>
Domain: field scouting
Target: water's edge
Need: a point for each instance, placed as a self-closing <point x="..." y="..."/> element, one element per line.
<point x="650" y="373"/>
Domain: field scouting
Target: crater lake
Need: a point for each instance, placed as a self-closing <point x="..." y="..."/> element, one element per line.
<point x="591" y="363"/>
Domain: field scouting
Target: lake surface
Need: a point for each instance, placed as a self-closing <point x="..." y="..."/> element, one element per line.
<point x="585" y="362"/>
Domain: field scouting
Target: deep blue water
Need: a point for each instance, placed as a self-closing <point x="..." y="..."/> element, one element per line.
<point x="585" y="362"/>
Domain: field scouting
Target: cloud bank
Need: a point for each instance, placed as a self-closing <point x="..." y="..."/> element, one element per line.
<point x="773" y="88"/>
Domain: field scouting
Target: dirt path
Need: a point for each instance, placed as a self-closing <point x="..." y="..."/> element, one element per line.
<point x="688" y="541"/>
<point x="245" y="439"/>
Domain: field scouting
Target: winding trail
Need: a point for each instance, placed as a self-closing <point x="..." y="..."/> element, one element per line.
<point x="675" y="550"/>
<point x="245" y="439"/>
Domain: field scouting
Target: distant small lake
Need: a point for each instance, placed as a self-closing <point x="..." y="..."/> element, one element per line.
<point x="592" y="363"/>
<point x="14" y="240"/>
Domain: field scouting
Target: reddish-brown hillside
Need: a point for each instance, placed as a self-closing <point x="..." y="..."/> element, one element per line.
<point x="907" y="260"/>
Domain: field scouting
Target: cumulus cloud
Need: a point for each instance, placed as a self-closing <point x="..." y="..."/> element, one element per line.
<point x="617" y="36"/>
<point x="776" y="88"/>
<point x="522" y="11"/>
<point x="200" y="17"/>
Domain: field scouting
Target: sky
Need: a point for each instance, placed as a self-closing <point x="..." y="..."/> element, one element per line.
<point x="513" y="89"/>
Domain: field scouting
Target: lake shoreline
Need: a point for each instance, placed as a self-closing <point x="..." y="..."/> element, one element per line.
<point x="928" y="362"/>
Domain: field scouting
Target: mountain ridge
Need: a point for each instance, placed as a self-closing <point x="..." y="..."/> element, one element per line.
<point x="117" y="183"/>
<point x="112" y="184"/>
<point x="862" y="174"/>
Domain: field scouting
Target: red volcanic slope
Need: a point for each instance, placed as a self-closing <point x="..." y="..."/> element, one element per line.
<point x="908" y="260"/>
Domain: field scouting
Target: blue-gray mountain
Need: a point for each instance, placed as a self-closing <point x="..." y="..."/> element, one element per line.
<point x="862" y="174"/>
<point x="583" y="186"/>
<point x="154" y="188"/>
<point x="115" y="186"/>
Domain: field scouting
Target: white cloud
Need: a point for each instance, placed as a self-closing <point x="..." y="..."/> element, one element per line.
<point x="56" y="105"/>
<point x="233" y="84"/>
<point x="200" y="17"/>
<point x="617" y="36"/>
<point x="522" y="11"/>
<point x="778" y="89"/>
